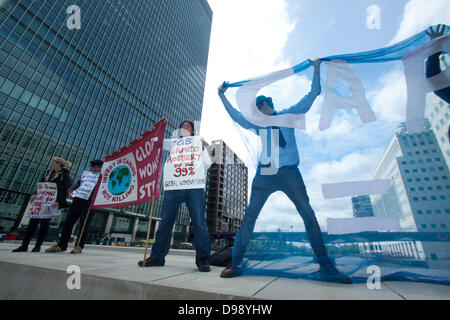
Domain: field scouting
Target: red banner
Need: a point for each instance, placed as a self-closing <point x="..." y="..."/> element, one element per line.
<point x="132" y="175"/>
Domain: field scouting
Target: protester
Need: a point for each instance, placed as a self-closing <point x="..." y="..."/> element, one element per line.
<point x="286" y="179"/>
<point x="78" y="210"/>
<point x="57" y="174"/>
<point x="195" y="202"/>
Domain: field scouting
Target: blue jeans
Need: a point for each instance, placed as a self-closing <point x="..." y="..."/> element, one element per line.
<point x="288" y="180"/>
<point x="195" y="202"/>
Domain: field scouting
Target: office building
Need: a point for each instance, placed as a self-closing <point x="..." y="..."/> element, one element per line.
<point x="362" y="207"/>
<point x="438" y="114"/>
<point x="83" y="90"/>
<point x="419" y="194"/>
<point x="226" y="193"/>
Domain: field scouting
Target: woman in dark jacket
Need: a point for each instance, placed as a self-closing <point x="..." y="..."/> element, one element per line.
<point x="59" y="175"/>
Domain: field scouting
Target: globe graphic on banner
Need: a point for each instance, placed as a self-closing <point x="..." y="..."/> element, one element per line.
<point x="119" y="180"/>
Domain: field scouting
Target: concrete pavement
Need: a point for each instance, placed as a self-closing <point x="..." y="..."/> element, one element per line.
<point x="112" y="273"/>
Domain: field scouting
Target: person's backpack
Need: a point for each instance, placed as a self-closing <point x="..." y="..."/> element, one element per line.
<point x="221" y="257"/>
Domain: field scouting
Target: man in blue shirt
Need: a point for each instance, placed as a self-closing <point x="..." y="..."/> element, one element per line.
<point x="285" y="178"/>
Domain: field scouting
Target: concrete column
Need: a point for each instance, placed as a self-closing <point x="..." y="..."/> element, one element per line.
<point x="135" y="227"/>
<point x="109" y="223"/>
<point x="157" y="222"/>
<point x="408" y="249"/>
<point x="361" y="249"/>
<point x="403" y="250"/>
<point x="173" y="235"/>
<point x="391" y="248"/>
<point x="413" y="248"/>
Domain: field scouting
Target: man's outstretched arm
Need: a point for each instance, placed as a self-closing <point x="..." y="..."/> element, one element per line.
<point x="306" y="102"/>
<point x="234" y="114"/>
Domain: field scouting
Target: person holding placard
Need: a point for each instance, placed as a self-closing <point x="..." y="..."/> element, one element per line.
<point x="47" y="202"/>
<point x="184" y="181"/>
<point x="82" y="194"/>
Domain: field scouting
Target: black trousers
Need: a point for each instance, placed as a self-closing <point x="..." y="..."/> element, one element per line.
<point x="31" y="229"/>
<point x="77" y="210"/>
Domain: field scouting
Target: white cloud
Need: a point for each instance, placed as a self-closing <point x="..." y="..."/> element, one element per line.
<point x="343" y="123"/>
<point x="280" y="212"/>
<point x="352" y="167"/>
<point x="420" y="14"/>
<point x="247" y="40"/>
<point x="389" y="99"/>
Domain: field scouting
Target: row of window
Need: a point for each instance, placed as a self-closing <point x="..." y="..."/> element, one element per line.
<point x="437" y="211"/>
<point x="434" y="226"/>
<point x="410" y="154"/>
<point x="432" y="169"/>
<point x="429" y="188"/>
<point x="429" y="160"/>
<point x="432" y="198"/>
<point x="435" y="178"/>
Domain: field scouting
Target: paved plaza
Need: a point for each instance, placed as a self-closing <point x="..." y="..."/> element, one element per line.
<point x="112" y="273"/>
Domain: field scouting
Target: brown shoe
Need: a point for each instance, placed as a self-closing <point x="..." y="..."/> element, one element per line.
<point x="228" y="271"/>
<point x="77" y="250"/>
<point x="53" y="249"/>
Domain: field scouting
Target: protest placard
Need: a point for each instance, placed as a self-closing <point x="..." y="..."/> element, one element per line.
<point x="40" y="208"/>
<point x="184" y="168"/>
<point x="88" y="182"/>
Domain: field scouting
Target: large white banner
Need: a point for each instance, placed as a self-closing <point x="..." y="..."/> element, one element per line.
<point x="88" y="182"/>
<point x="184" y="168"/>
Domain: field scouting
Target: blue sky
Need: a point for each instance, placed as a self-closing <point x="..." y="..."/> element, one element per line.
<point x="251" y="38"/>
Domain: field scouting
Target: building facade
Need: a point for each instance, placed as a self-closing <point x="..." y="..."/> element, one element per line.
<point x="226" y="194"/>
<point x="83" y="92"/>
<point x="362" y="206"/>
<point x="419" y="194"/>
<point x="438" y="113"/>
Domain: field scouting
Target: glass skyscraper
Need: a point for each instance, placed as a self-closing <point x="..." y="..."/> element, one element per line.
<point x="82" y="93"/>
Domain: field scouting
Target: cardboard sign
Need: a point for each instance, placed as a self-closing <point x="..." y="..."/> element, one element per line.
<point x="88" y="182"/>
<point x="184" y="168"/>
<point x="40" y="208"/>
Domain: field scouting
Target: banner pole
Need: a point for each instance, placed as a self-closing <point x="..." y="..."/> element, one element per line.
<point x="82" y="229"/>
<point x="148" y="230"/>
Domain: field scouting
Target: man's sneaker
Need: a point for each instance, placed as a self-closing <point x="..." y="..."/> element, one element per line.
<point x="77" y="250"/>
<point x="328" y="272"/>
<point x="53" y="249"/>
<point x="151" y="262"/>
<point x="203" y="265"/>
<point x="36" y="249"/>
<point x="21" y="249"/>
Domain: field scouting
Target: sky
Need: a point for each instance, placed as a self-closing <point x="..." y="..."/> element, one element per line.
<point x="250" y="38"/>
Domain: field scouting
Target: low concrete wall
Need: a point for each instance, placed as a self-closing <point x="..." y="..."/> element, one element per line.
<point x="30" y="283"/>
